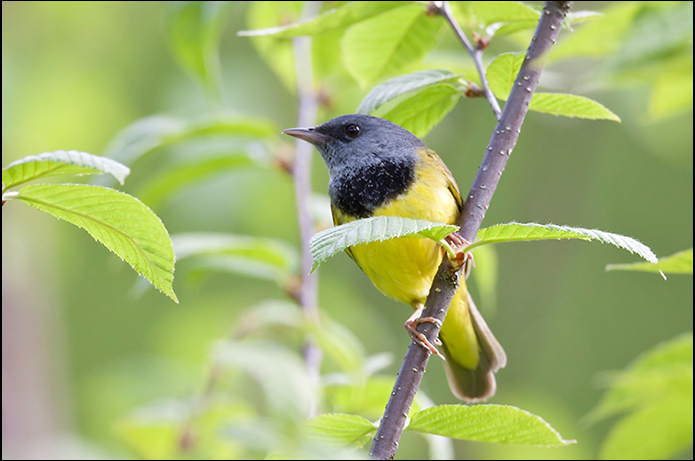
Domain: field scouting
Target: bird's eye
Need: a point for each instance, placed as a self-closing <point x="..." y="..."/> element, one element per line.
<point x="352" y="130"/>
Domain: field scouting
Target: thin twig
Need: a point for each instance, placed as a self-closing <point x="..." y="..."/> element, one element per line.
<point x="443" y="9"/>
<point x="301" y="171"/>
<point x="445" y="282"/>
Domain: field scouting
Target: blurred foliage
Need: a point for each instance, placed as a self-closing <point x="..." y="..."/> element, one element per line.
<point x="158" y="378"/>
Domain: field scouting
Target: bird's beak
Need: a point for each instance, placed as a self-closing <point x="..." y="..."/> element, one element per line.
<point x="307" y="134"/>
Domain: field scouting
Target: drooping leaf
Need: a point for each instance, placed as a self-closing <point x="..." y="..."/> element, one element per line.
<point x="150" y="133"/>
<point x="345" y="15"/>
<point x="162" y="186"/>
<point x="122" y="223"/>
<point x="194" y="30"/>
<point x="514" y="232"/>
<point x="60" y="163"/>
<point x="336" y="239"/>
<point x="487" y="423"/>
<point x="252" y="256"/>
<point x="678" y="263"/>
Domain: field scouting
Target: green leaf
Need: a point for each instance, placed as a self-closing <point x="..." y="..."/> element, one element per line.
<point x="678" y="263"/>
<point x="193" y="31"/>
<point x="151" y="133"/>
<point x="569" y="105"/>
<point x="657" y="390"/>
<point x="339" y="429"/>
<point x="514" y="232"/>
<point x="384" y="44"/>
<point x="502" y="72"/>
<point x="60" y="163"/>
<point x="159" y="430"/>
<point x="336" y="239"/>
<point x="405" y="85"/>
<point x="347" y="14"/>
<point x="654" y="432"/>
<point x="278" y="54"/>
<point x="425" y="109"/>
<point x="601" y="37"/>
<point x="162" y="186"/>
<point x="487" y="423"/>
<point x="505" y="17"/>
<point x="416" y="101"/>
<point x="252" y="256"/>
<point x="122" y="223"/>
<point x="277" y="370"/>
<point x="339" y="344"/>
<point x="664" y="370"/>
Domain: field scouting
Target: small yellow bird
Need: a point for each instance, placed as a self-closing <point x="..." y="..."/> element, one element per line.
<point x="378" y="168"/>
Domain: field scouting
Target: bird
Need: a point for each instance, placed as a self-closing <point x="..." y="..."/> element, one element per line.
<point x="378" y="168"/>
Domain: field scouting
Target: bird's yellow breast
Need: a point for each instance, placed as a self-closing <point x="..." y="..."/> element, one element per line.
<point x="403" y="268"/>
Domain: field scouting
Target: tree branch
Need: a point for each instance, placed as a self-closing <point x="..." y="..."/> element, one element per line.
<point x="301" y="171"/>
<point x="445" y="283"/>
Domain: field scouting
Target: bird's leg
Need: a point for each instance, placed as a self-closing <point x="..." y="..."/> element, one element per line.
<point x="466" y="260"/>
<point x="419" y="338"/>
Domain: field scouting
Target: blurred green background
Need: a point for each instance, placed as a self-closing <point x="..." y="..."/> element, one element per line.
<point x="80" y="349"/>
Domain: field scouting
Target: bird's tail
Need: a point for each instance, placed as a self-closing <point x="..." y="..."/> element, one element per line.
<point x="472" y="352"/>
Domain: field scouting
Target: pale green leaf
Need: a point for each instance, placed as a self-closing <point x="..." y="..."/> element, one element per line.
<point x="601" y="37"/>
<point x="336" y="239"/>
<point x="252" y="256"/>
<point x="502" y="72"/>
<point x="163" y="185"/>
<point x="119" y="221"/>
<point x="193" y="31"/>
<point x="339" y="344"/>
<point x="569" y="105"/>
<point x="60" y="163"/>
<point x="666" y="369"/>
<point x="424" y="110"/>
<point x="155" y="431"/>
<point x="278" y="54"/>
<point x="337" y="428"/>
<point x="417" y="101"/>
<point x="487" y="423"/>
<point x="657" y="390"/>
<point x="347" y="14"/>
<point x="514" y="232"/>
<point x="151" y="133"/>
<point x="276" y="369"/>
<point x="404" y="85"/>
<point x="678" y="263"/>
<point x="659" y="431"/>
<point x="382" y="45"/>
<point x="516" y="14"/>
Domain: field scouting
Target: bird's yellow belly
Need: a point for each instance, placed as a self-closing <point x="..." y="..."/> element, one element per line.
<point x="403" y="268"/>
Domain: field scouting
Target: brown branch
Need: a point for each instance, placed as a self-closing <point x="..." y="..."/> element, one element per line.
<point x="445" y="282"/>
<point x="301" y="171"/>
